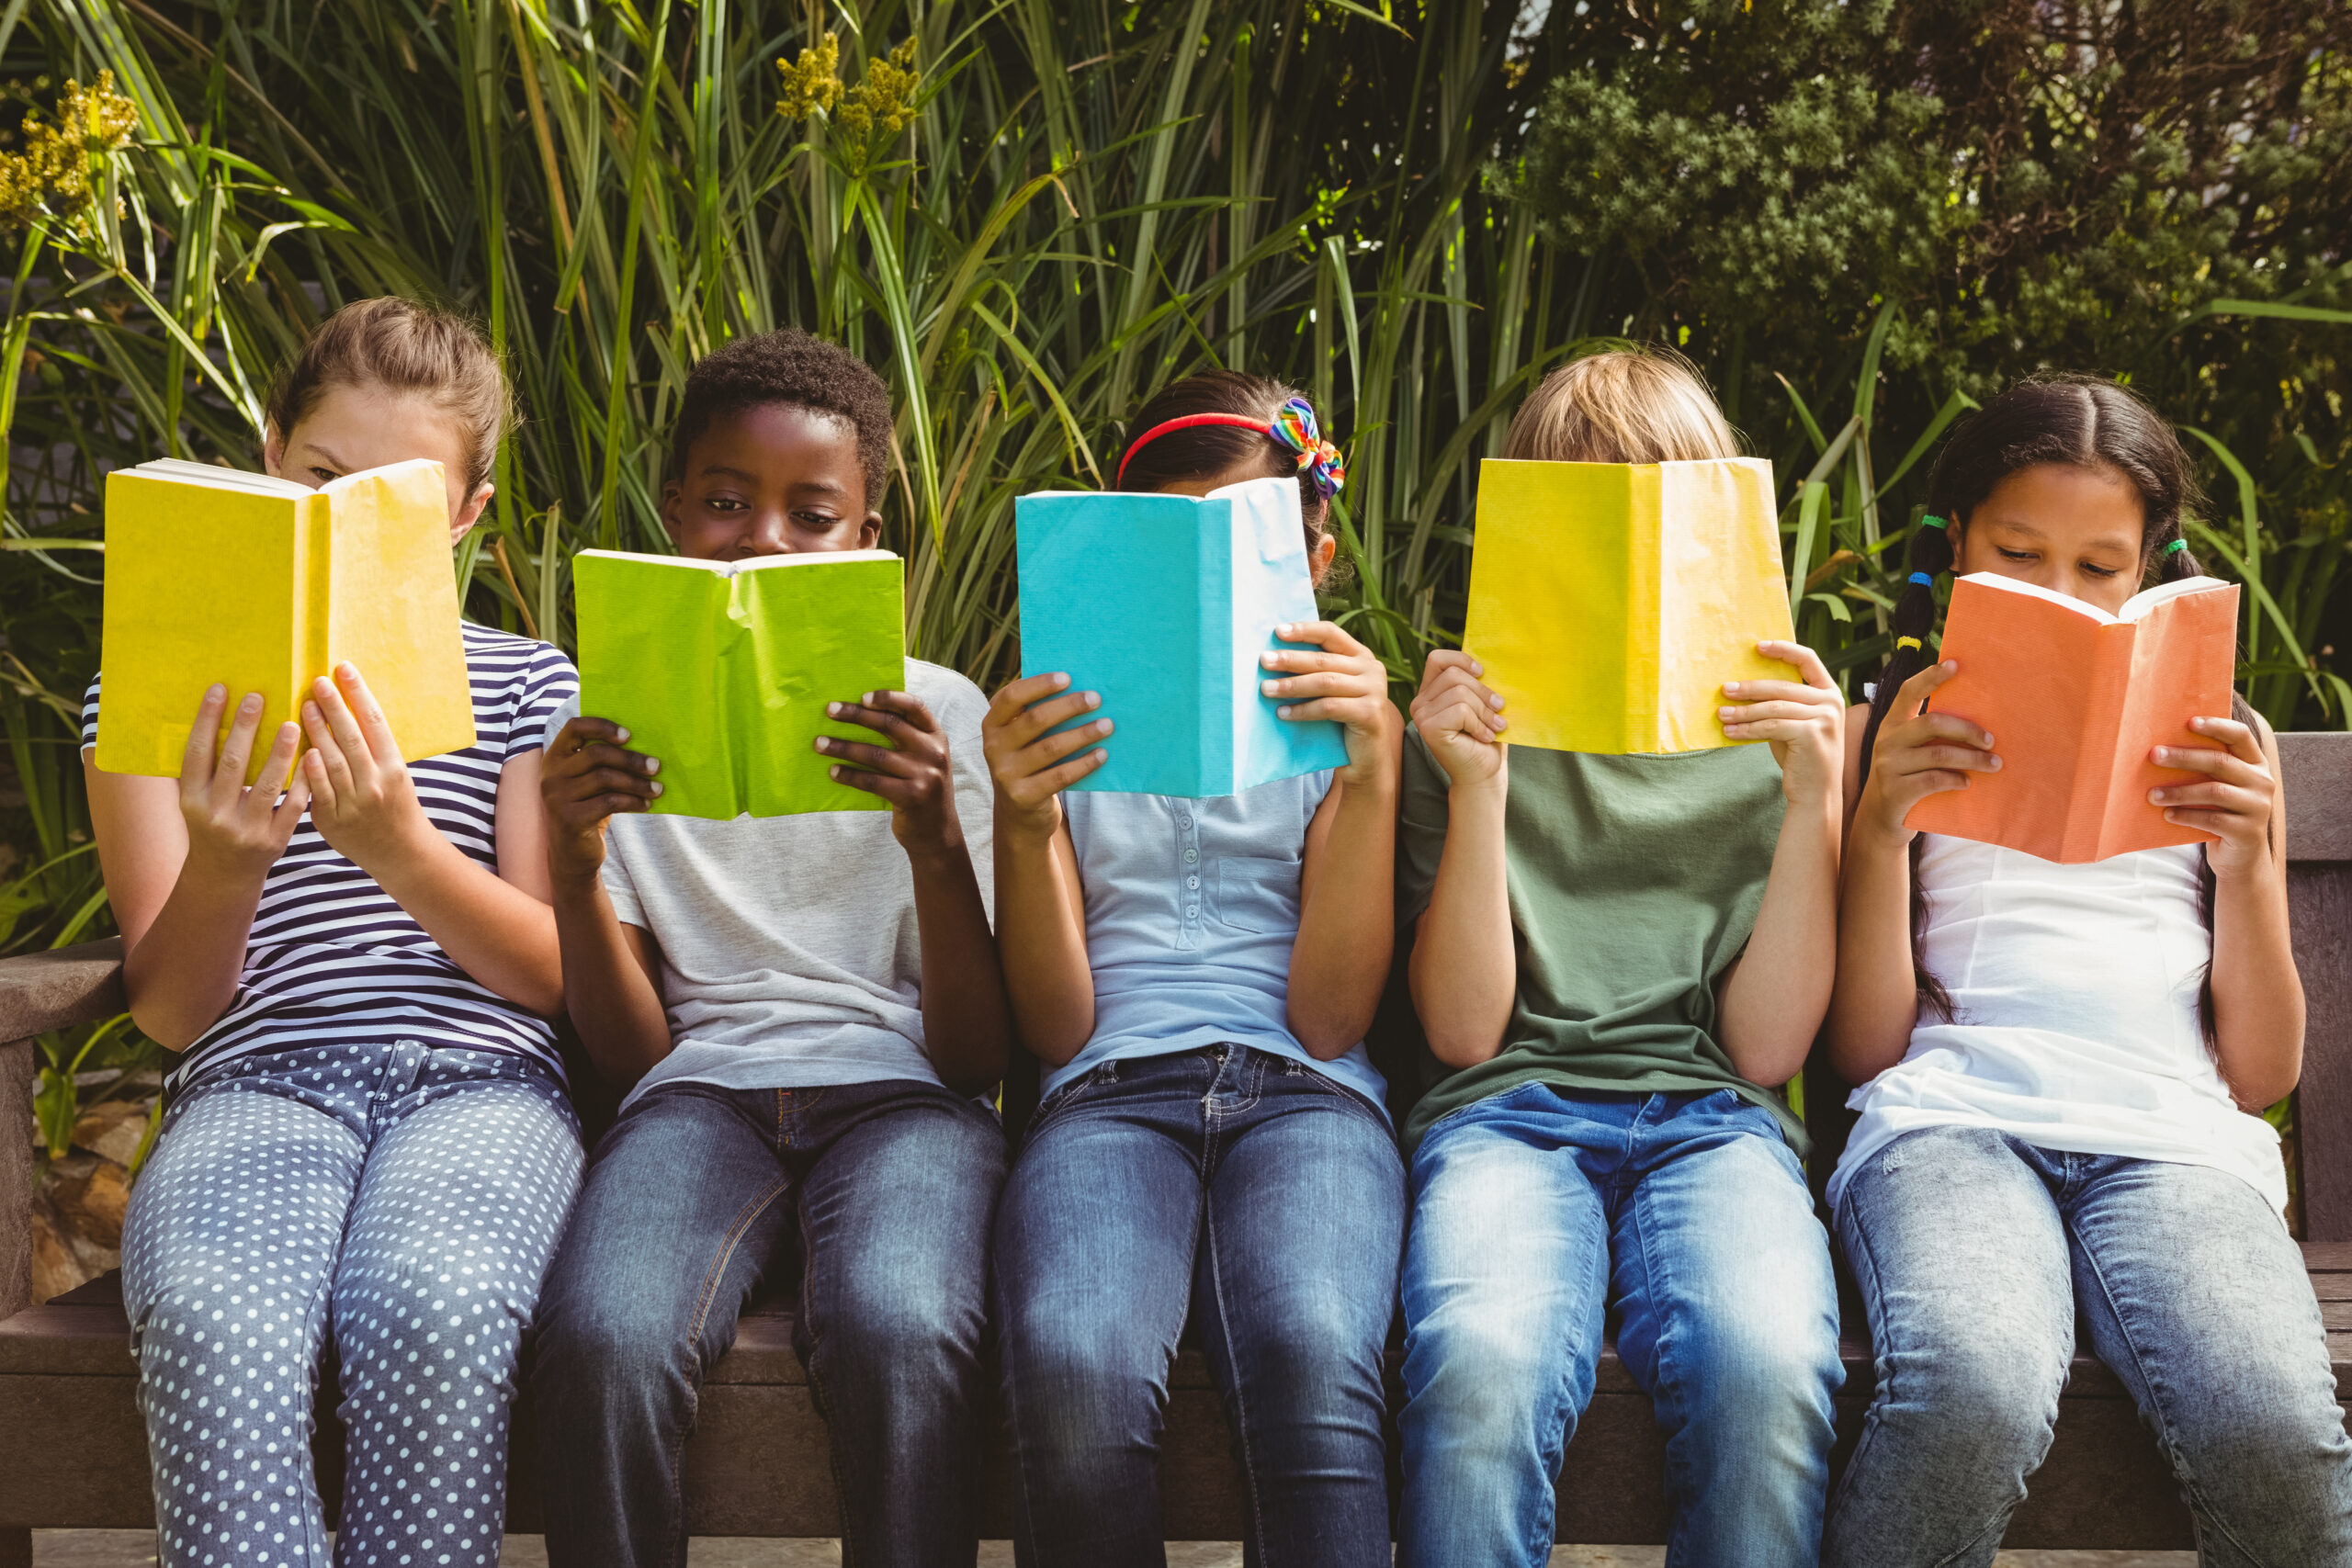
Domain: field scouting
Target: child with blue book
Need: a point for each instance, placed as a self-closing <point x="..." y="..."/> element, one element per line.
<point x="801" y="1008"/>
<point x="366" y="1137"/>
<point x="2064" y="1066"/>
<point x="1197" y="976"/>
<point x="1617" y="961"/>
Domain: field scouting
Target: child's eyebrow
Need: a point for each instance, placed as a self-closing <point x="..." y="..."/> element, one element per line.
<point x="720" y="471"/>
<point x="331" y="460"/>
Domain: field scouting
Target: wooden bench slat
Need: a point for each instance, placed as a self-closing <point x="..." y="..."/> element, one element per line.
<point x="60" y="988"/>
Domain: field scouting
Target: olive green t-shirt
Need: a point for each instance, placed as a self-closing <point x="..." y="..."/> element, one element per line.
<point x="1633" y="881"/>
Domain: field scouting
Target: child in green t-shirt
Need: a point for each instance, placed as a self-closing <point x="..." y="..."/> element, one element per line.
<point x="1617" y="960"/>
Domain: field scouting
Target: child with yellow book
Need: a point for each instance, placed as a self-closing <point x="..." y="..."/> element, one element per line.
<point x="1617" y="960"/>
<point x="355" y="960"/>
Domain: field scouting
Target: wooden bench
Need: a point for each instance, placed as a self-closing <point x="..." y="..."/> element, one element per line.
<point x="72" y="1453"/>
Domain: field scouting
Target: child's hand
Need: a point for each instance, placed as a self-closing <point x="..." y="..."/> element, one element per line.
<point x="1344" y="683"/>
<point x="1461" y="719"/>
<point x="362" y="801"/>
<point x="1805" y="721"/>
<point x="1918" y="754"/>
<point x="1027" y="764"/>
<point x="911" y="772"/>
<point x="234" y="831"/>
<point x="2234" y="807"/>
<point x="585" y="778"/>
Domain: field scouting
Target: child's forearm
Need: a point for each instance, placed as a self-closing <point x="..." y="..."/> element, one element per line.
<point x="181" y="974"/>
<point x="1776" y="994"/>
<point x="1464" y="965"/>
<point x="2257" y="995"/>
<point x="1874" y="1000"/>
<point x="1041" y="940"/>
<point x="608" y="988"/>
<point x="1347" y="932"/>
<point x="500" y="936"/>
<point x="967" y="1023"/>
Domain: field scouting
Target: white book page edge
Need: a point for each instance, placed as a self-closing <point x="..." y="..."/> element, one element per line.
<point x="2140" y="604"/>
<point x="2035" y="591"/>
<point x="178" y="470"/>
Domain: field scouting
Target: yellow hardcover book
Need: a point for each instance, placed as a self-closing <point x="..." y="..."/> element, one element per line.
<point x="263" y="584"/>
<point x="1610" y="601"/>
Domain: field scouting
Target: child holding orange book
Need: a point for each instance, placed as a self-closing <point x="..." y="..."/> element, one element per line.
<point x="1617" y="960"/>
<point x="366" y="1134"/>
<point x="2063" y="1066"/>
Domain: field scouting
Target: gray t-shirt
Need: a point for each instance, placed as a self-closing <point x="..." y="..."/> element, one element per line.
<point x="789" y="957"/>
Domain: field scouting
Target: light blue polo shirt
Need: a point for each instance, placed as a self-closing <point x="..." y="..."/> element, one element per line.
<point x="1191" y="910"/>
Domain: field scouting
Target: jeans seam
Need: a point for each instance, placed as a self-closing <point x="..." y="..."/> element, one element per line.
<point x="1240" y="1405"/>
<point x="2199" y="1500"/>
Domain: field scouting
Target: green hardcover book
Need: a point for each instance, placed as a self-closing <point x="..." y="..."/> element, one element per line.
<point x="722" y="670"/>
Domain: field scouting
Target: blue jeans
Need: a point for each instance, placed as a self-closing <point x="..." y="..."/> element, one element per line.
<point x="693" y="1200"/>
<point x="1976" y="1250"/>
<point x="1272" y="1202"/>
<point x="1537" y="1211"/>
<point x="403" y="1198"/>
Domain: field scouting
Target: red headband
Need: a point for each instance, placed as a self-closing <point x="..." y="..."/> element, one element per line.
<point x="1186" y="422"/>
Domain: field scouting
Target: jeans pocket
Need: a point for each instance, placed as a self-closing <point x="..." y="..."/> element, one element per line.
<point x="1095" y="1078"/>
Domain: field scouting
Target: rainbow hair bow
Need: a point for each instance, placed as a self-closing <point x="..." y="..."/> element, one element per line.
<point x="1294" y="430"/>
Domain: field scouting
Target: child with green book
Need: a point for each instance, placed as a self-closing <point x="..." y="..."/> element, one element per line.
<point x="800" y="1009"/>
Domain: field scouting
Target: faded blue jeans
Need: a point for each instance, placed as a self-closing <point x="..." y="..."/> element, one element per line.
<point x="694" y="1199"/>
<point x="1535" y="1215"/>
<point x="1272" y="1202"/>
<point x="1974" y="1251"/>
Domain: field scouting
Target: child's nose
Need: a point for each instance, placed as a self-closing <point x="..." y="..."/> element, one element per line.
<point x="769" y="535"/>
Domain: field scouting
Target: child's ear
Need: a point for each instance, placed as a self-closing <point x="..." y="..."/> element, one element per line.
<point x="273" y="451"/>
<point x="1318" y="557"/>
<point x="471" y="513"/>
<point x="869" y="532"/>
<point x="670" y="496"/>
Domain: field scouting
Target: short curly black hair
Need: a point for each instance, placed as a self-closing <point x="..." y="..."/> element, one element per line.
<point x="789" y="367"/>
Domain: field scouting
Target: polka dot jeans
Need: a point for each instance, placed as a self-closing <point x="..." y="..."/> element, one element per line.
<point x="405" y="1198"/>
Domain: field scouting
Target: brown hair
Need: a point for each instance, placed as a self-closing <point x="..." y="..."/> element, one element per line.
<point x="1202" y="450"/>
<point x="409" y="350"/>
<point x="1635" y="405"/>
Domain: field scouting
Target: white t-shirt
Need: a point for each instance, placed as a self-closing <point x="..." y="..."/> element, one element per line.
<point x="789" y="957"/>
<point x="2074" y="1025"/>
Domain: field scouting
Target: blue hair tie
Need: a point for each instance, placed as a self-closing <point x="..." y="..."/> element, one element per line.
<point x="1923" y="580"/>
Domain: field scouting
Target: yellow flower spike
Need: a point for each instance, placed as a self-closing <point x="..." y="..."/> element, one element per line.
<point x="53" y="170"/>
<point x="812" y="82"/>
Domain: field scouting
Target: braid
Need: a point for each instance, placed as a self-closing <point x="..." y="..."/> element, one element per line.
<point x="2173" y="560"/>
<point x="1926" y="557"/>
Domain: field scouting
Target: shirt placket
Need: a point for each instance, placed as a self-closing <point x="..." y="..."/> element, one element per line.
<point x="1188" y="875"/>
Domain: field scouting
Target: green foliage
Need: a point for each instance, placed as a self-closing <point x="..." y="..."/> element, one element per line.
<point x="2162" y="192"/>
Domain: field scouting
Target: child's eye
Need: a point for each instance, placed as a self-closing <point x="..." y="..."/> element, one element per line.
<point x="2092" y="569"/>
<point x="724" y="503"/>
<point x="822" y="522"/>
<point x="2007" y="554"/>
<point x="326" y="476"/>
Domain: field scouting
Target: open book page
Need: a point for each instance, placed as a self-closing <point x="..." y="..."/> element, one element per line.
<point x="180" y="471"/>
<point x="2183" y="655"/>
<point x="1271" y="585"/>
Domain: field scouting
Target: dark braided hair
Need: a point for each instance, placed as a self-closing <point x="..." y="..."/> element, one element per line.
<point x="2075" y="422"/>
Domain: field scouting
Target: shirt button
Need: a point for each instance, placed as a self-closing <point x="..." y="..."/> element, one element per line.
<point x="1190" y="855"/>
<point x="1191" y="881"/>
<point x="1191" y="911"/>
<point x="1183" y="822"/>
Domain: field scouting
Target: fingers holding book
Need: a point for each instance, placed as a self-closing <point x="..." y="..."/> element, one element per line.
<point x="2234" y="800"/>
<point x="362" y="800"/>
<point x="239" y="828"/>
<point x="1460" y="717"/>
<point x="1921" y="752"/>
<point x="1804" y="720"/>
<point x="911" y="772"/>
<point x="588" y="776"/>
<point x="1339" y="680"/>
<point x="1031" y="759"/>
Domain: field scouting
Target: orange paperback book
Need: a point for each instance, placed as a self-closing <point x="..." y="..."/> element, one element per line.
<point x="2076" y="699"/>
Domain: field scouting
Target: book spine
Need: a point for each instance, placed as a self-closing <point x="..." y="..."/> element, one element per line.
<point x="1646" y="727"/>
<point x="2088" y="810"/>
<point x="1219" y="688"/>
<point x="313" y="651"/>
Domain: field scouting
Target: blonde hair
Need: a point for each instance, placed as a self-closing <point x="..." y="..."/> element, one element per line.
<point x="1623" y="406"/>
<point x="411" y="350"/>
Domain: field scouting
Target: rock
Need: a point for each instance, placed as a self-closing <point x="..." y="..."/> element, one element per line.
<point x="77" y="1222"/>
<point x="113" y="1129"/>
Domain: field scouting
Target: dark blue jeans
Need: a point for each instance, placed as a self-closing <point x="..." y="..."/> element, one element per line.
<point x="691" y="1201"/>
<point x="1271" y="1202"/>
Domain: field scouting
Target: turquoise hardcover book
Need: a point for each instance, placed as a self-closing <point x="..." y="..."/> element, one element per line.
<point x="1163" y="603"/>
